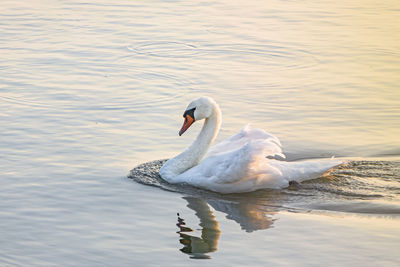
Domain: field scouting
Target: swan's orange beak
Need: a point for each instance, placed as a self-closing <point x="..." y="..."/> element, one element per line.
<point x="186" y="124"/>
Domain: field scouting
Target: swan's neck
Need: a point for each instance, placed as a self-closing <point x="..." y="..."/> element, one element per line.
<point x="196" y="151"/>
<point x="204" y="139"/>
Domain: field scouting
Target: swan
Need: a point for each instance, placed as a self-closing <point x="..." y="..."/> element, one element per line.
<point x="247" y="161"/>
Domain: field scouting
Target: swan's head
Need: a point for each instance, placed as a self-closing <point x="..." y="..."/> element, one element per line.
<point x="198" y="109"/>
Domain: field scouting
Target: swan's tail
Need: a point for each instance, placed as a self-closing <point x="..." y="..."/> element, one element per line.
<point x="300" y="171"/>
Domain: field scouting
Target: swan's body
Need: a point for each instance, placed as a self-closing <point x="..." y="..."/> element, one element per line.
<point x="243" y="162"/>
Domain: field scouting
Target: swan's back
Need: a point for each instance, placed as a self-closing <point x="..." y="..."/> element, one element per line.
<point x="245" y="136"/>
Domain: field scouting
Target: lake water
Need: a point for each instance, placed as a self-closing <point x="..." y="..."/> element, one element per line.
<point x="91" y="89"/>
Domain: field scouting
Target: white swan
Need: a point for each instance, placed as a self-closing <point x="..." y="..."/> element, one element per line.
<point x="243" y="162"/>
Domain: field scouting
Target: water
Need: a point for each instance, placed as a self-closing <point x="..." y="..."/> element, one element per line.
<point x="89" y="90"/>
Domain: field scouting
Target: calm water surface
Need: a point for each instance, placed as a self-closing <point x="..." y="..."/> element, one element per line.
<point x="89" y="90"/>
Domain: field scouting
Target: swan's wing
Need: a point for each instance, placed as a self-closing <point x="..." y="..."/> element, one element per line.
<point x="247" y="135"/>
<point x="234" y="171"/>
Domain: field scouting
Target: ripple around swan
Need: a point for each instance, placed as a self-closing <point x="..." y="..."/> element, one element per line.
<point x="147" y="174"/>
<point x="316" y="195"/>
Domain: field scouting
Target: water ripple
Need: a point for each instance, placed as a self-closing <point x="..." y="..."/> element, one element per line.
<point x="339" y="192"/>
<point x="166" y="49"/>
<point x="279" y="56"/>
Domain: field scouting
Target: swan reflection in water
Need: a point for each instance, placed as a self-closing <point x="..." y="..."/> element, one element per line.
<point x="252" y="211"/>
<point x="198" y="246"/>
<point x="250" y="215"/>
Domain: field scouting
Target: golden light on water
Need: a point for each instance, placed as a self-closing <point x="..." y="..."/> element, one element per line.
<point x="90" y="89"/>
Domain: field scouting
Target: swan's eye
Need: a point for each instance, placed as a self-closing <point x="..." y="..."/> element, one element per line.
<point x="190" y="112"/>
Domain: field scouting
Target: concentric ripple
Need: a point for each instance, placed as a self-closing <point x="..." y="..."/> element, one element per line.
<point x="276" y="56"/>
<point x="166" y="49"/>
